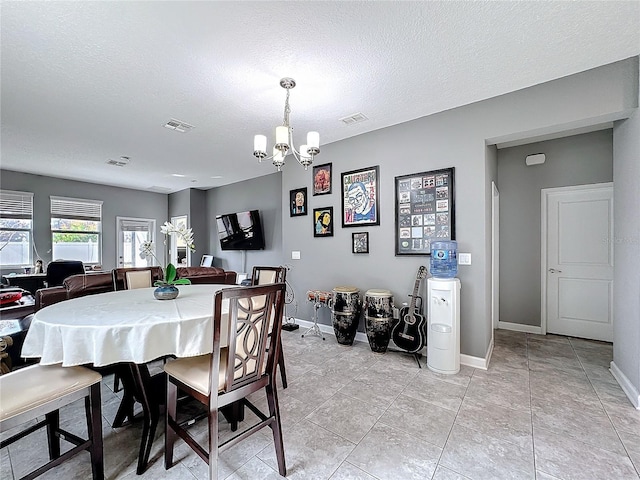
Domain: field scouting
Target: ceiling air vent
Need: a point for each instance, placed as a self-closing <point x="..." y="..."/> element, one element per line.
<point x="355" y="118"/>
<point x="178" y="126"/>
<point x="121" y="162"/>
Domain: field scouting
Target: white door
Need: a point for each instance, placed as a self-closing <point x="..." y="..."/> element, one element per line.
<point x="131" y="233"/>
<point x="577" y="261"/>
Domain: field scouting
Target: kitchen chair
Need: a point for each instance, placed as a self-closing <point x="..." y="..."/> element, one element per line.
<point x="137" y="279"/>
<point x="229" y="375"/>
<point x="264" y="276"/>
<point x="119" y="275"/>
<point x="31" y="392"/>
<point x="133" y="278"/>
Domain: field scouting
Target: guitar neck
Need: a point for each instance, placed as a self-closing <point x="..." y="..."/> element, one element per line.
<point x="415" y="295"/>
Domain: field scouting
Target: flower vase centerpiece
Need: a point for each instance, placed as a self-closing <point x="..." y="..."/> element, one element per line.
<point x="166" y="288"/>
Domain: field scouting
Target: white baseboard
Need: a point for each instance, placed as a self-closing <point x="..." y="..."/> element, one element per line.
<point x="477" y="362"/>
<point x="630" y="391"/>
<point x="468" y="360"/>
<point x="519" y="327"/>
<point x="328" y="329"/>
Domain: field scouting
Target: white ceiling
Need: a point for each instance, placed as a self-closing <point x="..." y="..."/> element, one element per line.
<point x="84" y="82"/>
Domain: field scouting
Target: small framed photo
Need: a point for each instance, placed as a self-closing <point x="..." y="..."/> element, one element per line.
<point x="298" y="202"/>
<point x="323" y="222"/>
<point x="322" y="179"/>
<point x="360" y="242"/>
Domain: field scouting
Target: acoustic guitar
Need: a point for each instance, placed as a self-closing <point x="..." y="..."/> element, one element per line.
<point x="409" y="333"/>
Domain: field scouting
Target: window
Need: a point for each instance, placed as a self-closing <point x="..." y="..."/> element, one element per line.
<point x="76" y="230"/>
<point x="16" y="228"/>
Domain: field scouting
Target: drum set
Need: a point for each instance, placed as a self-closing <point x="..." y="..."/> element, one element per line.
<point x="347" y="306"/>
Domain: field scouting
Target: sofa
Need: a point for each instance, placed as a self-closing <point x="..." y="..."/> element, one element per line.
<point x="206" y="275"/>
<point x="73" y="287"/>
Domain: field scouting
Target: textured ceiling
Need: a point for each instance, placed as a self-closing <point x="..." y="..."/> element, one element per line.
<point x="85" y="82"/>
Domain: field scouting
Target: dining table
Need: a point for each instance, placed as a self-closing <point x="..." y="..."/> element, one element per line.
<point x="128" y="329"/>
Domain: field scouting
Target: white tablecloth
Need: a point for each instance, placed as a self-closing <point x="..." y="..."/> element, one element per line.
<point x="125" y="326"/>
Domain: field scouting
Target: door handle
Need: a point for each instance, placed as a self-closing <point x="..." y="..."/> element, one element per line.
<point x="553" y="270"/>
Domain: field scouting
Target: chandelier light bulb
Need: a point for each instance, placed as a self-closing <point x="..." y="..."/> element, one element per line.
<point x="260" y="146"/>
<point x="313" y="141"/>
<point x="278" y="159"/>
<point x="282" y="138"/>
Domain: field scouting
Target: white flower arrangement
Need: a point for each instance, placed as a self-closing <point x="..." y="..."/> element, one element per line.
<point x="146" y="250"/>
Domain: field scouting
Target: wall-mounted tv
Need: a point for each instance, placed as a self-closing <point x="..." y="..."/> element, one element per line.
<point x="240" y="231"/>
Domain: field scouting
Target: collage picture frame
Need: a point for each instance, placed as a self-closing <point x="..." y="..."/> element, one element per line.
<point x="425" y="210"/>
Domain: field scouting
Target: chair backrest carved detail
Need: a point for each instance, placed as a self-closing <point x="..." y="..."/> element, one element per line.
<point x="251" y="351"/>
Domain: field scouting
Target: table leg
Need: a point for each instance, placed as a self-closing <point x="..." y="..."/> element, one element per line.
<point x="140" y="386"/>
<point x="150" y="410"/>
<point x="125" y="410"/>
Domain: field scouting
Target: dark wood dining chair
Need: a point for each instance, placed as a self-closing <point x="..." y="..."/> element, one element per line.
<point x="229" y="375"/>
<point x="265" y="276"/>
<point x="31" y="397"/>
<point x="119" y="275"/>
<point x="138" y="279"/>
<point x="132" y="278"/>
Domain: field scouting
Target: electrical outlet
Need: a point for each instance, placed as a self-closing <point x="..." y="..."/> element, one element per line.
<point x="295" y="255"/>
<point x="464" y="259"/>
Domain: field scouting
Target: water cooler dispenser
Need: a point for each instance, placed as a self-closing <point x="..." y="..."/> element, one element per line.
<point x="443" y="337"/>
<point x="443" y="297"/>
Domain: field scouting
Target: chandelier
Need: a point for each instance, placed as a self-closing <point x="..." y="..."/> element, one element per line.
<point x="284" y="139"/>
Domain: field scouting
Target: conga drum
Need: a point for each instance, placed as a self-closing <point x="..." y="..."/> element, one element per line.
<point x="345" y="313"/>
<point x="378" y="311"/>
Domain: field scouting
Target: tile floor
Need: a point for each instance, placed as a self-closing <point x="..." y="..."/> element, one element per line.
<point x="547" y="408"/>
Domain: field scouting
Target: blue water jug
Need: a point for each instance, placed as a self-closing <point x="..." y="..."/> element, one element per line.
<point x="444" y="259"/>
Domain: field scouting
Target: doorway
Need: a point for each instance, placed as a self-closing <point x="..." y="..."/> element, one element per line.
<point x="180" y="253"/>
<point x="495" y="257"/>
<point x="577" y="261"/>
<point x="131" y="233"/>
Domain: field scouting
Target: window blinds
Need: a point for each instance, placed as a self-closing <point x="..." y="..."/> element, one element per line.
<point x="75" y="208"/>
<point x="16" y="204"/>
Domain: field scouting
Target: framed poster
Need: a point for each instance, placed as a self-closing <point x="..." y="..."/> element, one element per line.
<point x="360" y="197"/>
<point x="298" y="202"/>
<point x="323" y="222"/>
<point x="360" y="242"/>
<point x="425" y="211"/>
<point x="322" y="179"/>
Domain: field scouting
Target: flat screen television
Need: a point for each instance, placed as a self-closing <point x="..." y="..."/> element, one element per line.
<point x="240" y="231"/>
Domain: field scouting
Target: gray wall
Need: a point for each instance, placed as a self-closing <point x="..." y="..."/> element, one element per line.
<point x="262" y="193"/>
<point x="198" y="216"/>
<point x="626" y="279"/>
<point x="456" y="138"/>
<point x="121" y="202"/>
<point x="575" y="160"/>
